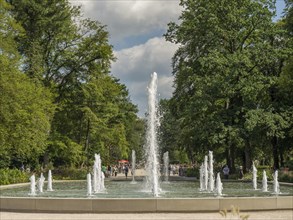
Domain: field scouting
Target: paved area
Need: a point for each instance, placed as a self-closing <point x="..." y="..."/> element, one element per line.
<point x="261" y="215"/>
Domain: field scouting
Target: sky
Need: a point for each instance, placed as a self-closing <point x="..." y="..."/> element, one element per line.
<point x="136" y="29"/>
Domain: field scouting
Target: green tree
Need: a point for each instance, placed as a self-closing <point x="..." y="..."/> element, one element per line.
<point x="25" y="107"/>
<point x="72" y="56"/>
<point x="229" y="58"/>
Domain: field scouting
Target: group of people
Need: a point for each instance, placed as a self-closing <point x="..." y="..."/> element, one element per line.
<point x="113" y="170"/>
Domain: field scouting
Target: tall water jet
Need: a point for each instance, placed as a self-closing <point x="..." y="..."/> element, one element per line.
<point x="276" y="183"/>
<point x="95" y="177"/>
<point x="211" y="172"/>
<point x="99" y="176"/>
<point x="219" y="185"/>
<point x="41" y="181"/>
<point x="201" y="178"/>
<point x="33" y="185"/>
<point x="254" y="176"/>
<point x="166" y="165"/>
<point x="89" y="184"/>
<point x="205" y="173"/>
<point x="133" y="165"/>
<point x="151" y="151"/>
<point x="264" y="182"/>
<point x="49" y="186"/>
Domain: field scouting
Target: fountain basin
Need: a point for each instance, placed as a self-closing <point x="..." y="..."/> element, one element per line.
<point x="130" y="205"/>
<point x="141" y="201"/>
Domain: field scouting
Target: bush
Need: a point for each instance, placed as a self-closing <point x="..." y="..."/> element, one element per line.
<point x="286" y="177"/>
<point x="192" y="172"/>
<point x="69" y="174"/>
<point x="11" y="176"/>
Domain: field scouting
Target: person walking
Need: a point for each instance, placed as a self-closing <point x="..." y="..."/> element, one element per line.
<point x="226" y="171"/>
<point x="126" y="169"/>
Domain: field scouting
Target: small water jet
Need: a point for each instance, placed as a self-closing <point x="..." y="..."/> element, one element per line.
<point x="41" y="181"/>
<point x="89" y="184"/>
<point x="264" y="182"/>
<point x="152" y="166"/>
<point x="205" y="173"/>
<point x="276" y="183"/>
<point x="49" y="186"/>
<point x="219" y="185"/>
<point x="33" y="185"/>
<point x="166" y="166"/>
<point x="254" y="176"/>
<point x="201" y="177"/>
<point x="133" y="166"/>
<point x="211" y="172"/>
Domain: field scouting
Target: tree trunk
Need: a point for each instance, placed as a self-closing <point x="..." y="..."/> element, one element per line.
<point x="247" y="156"/>
<point x="275" y="153"/>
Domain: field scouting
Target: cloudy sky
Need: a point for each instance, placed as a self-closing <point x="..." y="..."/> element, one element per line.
<point x="136" y="28"/>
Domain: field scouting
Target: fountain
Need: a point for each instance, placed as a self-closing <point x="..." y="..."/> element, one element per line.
<point x="41" y="181"/>
<point x="89" y="184"/>
<point x="178" y="196"/>
<point x="276" y="183"/>
<point x="133" y="166"/>
<point x="219" y="185"/>
<point x="264" y="182"/>
<point x="211" y="172"/>
<point x="201" y="177"/>
<point x="49" y="186"/>
<point x="32" y="185"/>
<point x="254" y="176"/>
<point x="99" y="176"/>
<point x="152" y="166"/>
<point x="166" y="166"/>
<point x="205" y="173"/>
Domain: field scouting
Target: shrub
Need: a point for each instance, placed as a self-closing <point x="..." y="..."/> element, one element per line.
<point x="192" y="172"/>
<point x="69" y="174"/>
<point x="11" y="176"/>
<point x="286" y="177"/>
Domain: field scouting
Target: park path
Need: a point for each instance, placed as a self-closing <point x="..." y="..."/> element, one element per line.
<point x="260" y="215"/>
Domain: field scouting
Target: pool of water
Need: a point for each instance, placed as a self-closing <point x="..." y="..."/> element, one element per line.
<point x="125" y="189"/>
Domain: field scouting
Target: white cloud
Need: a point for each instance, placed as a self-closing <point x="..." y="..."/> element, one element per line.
<point x="135" y="65"/>
<point x="125" y="18"/>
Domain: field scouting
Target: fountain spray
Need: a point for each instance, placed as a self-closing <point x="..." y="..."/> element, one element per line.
<point x="219" y="185"/>
<point x="166" y="165"/>
<point x="205" y="172"/>
<point x="133" y="166"/>
<point x="41" y="181"/>
<point x="89" y="184"/>
<point x="276" y="183"/>
<point x="49" y="187"/>
<point x="33" y="185"/>
<point x="254" y="176"/>
<point x="264" y="182"/>
<point x="152" y="166"/>
<point x="211" y="172"/>
<point x="201" y="177"/>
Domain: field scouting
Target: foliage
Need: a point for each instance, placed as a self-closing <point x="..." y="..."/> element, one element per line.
<point x="192" y="172"/>
<point x="65" y="173"/>
<point x="11" y="176"/>
<point x="59" y="104"/>
<point x="286" y="177"/>
<point x="227" y="95"/>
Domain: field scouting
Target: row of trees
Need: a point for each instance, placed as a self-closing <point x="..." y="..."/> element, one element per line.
<point x="58" y="101"/>
<point x="233" y="83"/>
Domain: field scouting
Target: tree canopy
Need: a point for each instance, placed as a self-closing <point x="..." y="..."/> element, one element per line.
<point x="60" y="104"/>
<point x="227" y="71"/>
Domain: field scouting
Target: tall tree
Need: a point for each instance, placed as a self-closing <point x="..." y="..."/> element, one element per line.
<point x="26" y="108"/>
<point x="72" y="56"/>
<point x="225" y="71"/>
